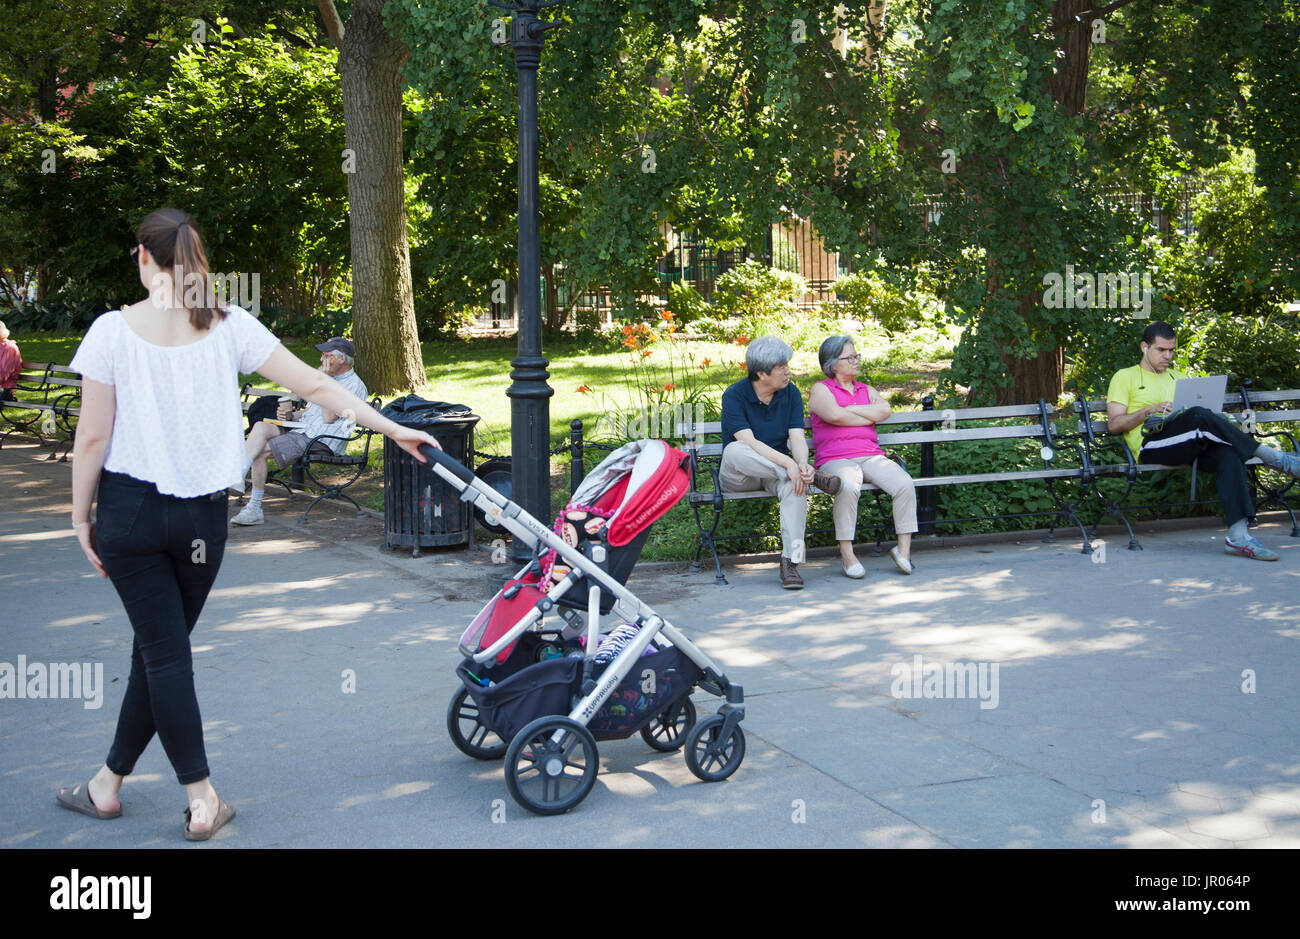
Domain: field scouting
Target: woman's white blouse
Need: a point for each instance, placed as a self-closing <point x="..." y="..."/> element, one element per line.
<point x="178" y="423"/>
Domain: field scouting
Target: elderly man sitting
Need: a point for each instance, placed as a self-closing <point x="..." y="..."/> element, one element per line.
<point x="764" y="445"/>
<point x="288" y="446"/>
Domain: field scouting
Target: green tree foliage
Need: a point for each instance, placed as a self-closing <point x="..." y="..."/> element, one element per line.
<point x="756" y="111"/>
<point x="228" y="110"/>
<point x="650" y="115"/>
<point x="245" y="134"/>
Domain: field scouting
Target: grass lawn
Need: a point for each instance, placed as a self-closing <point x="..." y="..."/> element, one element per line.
<point x="476" y="372"/>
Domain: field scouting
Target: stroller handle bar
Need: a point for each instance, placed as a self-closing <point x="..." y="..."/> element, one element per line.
<point x="453" y="466"/>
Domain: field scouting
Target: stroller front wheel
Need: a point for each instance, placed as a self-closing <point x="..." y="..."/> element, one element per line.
<point x="468" y="732"/>
<point x="550" y="776"/>
<point x="710" y="757"/>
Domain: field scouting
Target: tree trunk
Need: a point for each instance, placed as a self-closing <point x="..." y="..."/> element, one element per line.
<point x="1043" y="376"/>
<point x="383" y="307"/>
<point x="1040" y="377"/>
<point x="1070" y="83"/>
<point x="551" y="315"/>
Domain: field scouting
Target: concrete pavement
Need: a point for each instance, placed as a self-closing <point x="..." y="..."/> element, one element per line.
<point x="1147" y="701"/>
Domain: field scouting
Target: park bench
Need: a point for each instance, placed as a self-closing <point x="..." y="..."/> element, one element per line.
<point x="947" y="428"/>
<point x="47" y="399"/>
<point x="300" y="472"/>
<point x="1109" y="457"/>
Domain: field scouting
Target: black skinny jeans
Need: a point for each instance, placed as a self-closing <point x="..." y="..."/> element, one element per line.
<point x="162" y="554"/>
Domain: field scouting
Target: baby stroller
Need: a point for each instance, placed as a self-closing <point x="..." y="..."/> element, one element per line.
<point x="541" y="696"/>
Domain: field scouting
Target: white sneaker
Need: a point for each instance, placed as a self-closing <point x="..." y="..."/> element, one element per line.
<point x="251" y="515"/>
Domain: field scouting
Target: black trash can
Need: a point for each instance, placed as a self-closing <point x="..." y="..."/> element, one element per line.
<point x="420" y="509"/>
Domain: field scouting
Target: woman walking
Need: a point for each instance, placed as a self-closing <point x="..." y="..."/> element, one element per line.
<point x="160" y="434"/>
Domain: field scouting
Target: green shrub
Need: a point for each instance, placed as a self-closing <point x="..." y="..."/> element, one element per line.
<point x="867" y="296"/>
<point x="753" y="290"/>
<point x="802" y="329"/>
<point x="1233" y="219"/>
<point x="58" y="316"/>
<point x="335" y="322"/>
<point x="1241" y="347"/>
<point x="686" y="303"/>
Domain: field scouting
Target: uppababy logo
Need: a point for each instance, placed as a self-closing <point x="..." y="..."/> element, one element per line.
<point x="954" y="680"/>
<point x="56" y="680"/>
<point x="76" y="892"/>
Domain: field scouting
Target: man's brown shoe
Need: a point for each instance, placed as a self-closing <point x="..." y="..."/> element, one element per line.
<point x="790" y="578"/>
<point x="827" y="483"/>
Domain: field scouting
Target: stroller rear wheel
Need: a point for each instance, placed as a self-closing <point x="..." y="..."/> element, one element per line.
<point x="710" y="757"/>
<point x="549" y="777"/>
<point x="667" y="732"/>
<point x="467" y="731"/>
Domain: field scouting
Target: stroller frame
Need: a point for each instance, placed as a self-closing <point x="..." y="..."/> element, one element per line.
<point x="715" y="746"/>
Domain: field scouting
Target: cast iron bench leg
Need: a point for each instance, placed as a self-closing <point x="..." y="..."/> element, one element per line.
<point x="706" y="539"/>
<point x="1067" y="512"/>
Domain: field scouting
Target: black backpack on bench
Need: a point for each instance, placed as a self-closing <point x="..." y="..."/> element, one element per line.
<point x="262" y="409"/>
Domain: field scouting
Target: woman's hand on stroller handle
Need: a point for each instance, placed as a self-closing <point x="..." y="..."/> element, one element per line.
<point x="453" y="466"/>
<point x="412" y="440"/>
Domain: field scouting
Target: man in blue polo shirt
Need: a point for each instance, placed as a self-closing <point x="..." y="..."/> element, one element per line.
<point x="764" y="445"/>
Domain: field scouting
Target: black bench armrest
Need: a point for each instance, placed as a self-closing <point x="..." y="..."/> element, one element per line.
<point x="358" y="433"/>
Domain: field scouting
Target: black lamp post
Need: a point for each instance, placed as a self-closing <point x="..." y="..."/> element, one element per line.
<point x="530" y="411"/>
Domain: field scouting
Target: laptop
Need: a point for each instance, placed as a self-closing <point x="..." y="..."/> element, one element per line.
<point x="1207" y="392"/>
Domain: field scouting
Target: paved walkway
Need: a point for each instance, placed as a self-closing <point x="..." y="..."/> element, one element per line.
<point x="1148" y="701"/>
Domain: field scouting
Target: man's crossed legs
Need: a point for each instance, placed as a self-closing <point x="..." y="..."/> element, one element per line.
<point x="1217" y="445"/>
<point x="264" y="441"/>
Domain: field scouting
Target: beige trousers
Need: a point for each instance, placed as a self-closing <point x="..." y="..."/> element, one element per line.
<point x="743" y="470"/>
<point x="881" y="471"/>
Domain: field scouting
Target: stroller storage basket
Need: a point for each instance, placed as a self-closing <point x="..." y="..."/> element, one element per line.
<point x="532" y="692"/>
<point x="544" y="688"/>
<point x="655" y="681"/>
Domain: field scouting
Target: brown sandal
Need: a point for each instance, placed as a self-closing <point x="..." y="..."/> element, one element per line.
<point x="225" y="812"/>
<point x="78" y="799"/>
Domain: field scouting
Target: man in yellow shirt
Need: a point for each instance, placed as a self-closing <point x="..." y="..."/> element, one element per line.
<point x="1136" y="404"/>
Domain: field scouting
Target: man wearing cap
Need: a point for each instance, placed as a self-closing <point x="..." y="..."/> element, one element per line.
<point x="288" y="446"/>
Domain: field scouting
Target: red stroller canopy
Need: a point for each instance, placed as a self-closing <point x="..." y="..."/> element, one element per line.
<point x="638" y="482"/>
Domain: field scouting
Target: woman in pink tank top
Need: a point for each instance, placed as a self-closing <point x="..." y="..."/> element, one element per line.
<point x="844" y="417"/>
